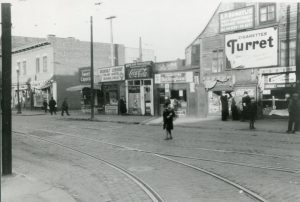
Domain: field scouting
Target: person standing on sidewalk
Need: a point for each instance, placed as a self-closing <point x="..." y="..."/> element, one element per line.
<point x="252" y="112"/>
<point x="225" y="108"/>
<point x="294" y="105"/>
<point x="168" y="116"/>
<point x="246" y="101"/>
<point x="65" y="107"/>
<point x="45" y="105"/>
<point x="52" y="104"/>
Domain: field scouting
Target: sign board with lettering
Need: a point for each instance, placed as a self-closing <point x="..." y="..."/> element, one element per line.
<point x="111" y="74"/>
<point x="256" y="48"/>
<point x="140" y="70"/>
<point x="237" y="19"/>
<point x="281" y="78"/>
<point x="174" y="77"/>
<point x="85" y="75"/>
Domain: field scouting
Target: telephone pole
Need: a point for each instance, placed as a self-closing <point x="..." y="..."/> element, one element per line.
<point x="6" y="89"/>
<point x="298" y="50"/>
<point x="111" y="41"/>
<point x="92" y="71"/>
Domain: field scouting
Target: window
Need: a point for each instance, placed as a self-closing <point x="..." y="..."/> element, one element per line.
<point x="292" y="53"/>
<point x="37" y="65"/>
<point x="267" y="12"/>
<point x="45" y="64"/>
<point x="217" y="61"/>
<point x="18" y="67"/>
<point x="24" y="67"/>
<point x="196" y="54"/>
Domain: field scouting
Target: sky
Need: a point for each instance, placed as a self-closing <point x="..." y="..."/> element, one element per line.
<point x="166" y="26"/>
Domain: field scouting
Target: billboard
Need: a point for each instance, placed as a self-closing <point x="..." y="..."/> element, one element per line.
<point x="111" y="74"/>
<point x="237" y="19"/>
<point x="85" y="75"/>
<point x="256" y="48"/>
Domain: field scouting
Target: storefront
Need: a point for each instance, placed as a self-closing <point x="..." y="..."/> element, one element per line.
<point x="180" y="88"/>
<point x="112" y="81"/>
<point x="139" y="88"/>
<point x="277" y="84"/>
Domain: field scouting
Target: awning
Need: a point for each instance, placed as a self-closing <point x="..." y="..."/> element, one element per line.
<point x="80" y="87"/>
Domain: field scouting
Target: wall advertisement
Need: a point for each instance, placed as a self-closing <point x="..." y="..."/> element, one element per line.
<point x="256" y="48"/>
<point x="237" y="19"/>
<point x="111" y="74"/>
<point x="85" y="75"/>
<point x="174" y="77"/>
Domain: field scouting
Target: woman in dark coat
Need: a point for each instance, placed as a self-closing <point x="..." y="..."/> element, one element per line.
<point x="168" y="116"/>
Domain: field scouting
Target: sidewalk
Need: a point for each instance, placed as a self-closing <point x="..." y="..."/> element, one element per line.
<point x="214" y="122"/>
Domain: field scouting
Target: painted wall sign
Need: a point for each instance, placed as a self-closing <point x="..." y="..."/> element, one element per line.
<point x="111" y="74"/>
<point x="277" y="70"/>
<point x="237" y="19"/>
<point x="256" y="48"/>
<point x="174" y="77"/>
<point x="85" y="75"/>
<point x="281" y="78"/>
<point x="138" y="70"/>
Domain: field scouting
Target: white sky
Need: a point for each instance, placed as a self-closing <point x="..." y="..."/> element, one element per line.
<point x="167" y="26"/>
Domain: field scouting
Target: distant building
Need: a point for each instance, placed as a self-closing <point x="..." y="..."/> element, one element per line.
<point x="247" y="46"/>
<point x="47" y="67"/>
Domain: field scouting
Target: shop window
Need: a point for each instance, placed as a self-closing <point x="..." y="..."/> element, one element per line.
<point x="130" y="83"/>
<point x="137" y="82"/>
<point x="37" y="65"/>
<point x="147" y="82"/>
<point x="267" y="12"/>
<point x="292" y="53"/>
<point x="178" y="99"/>
<point x="217" y="61"/>
<point x="24" y="68"/>
<point x="45" y="62"/>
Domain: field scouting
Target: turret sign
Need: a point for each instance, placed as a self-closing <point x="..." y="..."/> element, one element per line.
<point x="257" y="48"/>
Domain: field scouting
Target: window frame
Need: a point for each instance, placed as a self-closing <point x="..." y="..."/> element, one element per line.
<point x="220" y="60"/>
<point x="45" y="63"/>
<point x="266" y="5"/>
<point x="282" y="52"/>
<point x="37" y="65"/>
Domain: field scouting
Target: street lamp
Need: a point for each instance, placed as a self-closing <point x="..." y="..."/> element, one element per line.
<point x="111" y="40"/>
<point x="18" y="91"/>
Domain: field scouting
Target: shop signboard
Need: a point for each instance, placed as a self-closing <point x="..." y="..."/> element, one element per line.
<point x="256" y="48"/>
<point x="238" y="19"/>
<point x="281" y="78"/>
<point x="111" y="74"/>
<point x="141" y="70"/>
<point x="280" y="85"/>
<point x="85" y="75"/>
<point x="174" y="77"/>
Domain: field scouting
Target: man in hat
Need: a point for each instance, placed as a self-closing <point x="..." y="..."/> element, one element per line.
<point x="246" y="101"/>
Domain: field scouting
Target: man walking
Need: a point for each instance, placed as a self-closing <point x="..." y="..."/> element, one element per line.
<point x="45" y="105"/>
<point x="225" y="108"/>
<point x="252" y="112"/>
<point x="52" y="104"/>
<point x="293" y="113"/>
<point x="65" y="107"/>
<point x="246" y="101"/>
<point x="168" y="116"/>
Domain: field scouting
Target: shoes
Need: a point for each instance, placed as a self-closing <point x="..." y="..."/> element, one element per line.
<point x="288" y="131"/>
<point x="171" y="138"/>
<point x="166" y="138"/>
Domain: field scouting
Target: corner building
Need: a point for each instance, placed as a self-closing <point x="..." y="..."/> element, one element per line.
<point x="248" y="46"/>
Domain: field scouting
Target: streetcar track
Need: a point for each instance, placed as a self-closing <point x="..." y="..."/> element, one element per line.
<point x="153" y="195"/>
<point x="279" y="169"/>
<point x="248" y="192"/>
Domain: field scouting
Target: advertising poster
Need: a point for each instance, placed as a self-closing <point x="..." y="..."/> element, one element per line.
<point x="256" y="48"/>
<point x="134" y="100"/>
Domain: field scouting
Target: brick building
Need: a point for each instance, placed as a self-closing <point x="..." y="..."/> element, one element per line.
<point x="247" y="46"/>
<point x="47" y="67"/>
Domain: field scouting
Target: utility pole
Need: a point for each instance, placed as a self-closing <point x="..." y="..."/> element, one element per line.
<point x="92" y="71"/>
<point x="6" y="89"/>
<point x="298" y="50"/>
<point x="140" y="50"/>
<point x="111" y="41"/>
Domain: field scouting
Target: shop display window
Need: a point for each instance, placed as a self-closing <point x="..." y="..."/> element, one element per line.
<point x="178" y="99"/>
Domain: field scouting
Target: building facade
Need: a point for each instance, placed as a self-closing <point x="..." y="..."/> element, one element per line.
<point x="248" y="46"/>
<point x="47" y="68"/>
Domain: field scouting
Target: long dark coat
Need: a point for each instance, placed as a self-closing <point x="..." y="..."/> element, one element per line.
<point x="168" y="116"/>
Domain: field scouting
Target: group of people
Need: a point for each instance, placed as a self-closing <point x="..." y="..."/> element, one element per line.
<point x="52" y="106"/>
<point x="248" y="108"/>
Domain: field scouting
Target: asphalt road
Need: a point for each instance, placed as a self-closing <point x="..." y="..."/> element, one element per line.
<point x="266" y="163"/>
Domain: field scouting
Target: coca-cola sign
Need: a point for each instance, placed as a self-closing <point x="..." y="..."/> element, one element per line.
<point x="138" y="72"/>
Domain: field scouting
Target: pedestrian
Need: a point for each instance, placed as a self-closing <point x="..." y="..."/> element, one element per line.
<point x="168" y="116"/>
<point x="252" y="112"/>
<point x="224" y="103"/>
<point x="246" y="101"/>
<point x="123" y="109"/>
<point x="65" y="107"/>
<point x="234" y="110"/>
<point x="52" y="104"/>
<point x="45" y="105"/>
<point x="293" y="113"/>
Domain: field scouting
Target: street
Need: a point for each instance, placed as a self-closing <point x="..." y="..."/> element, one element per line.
<point x="67" y="156"/>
